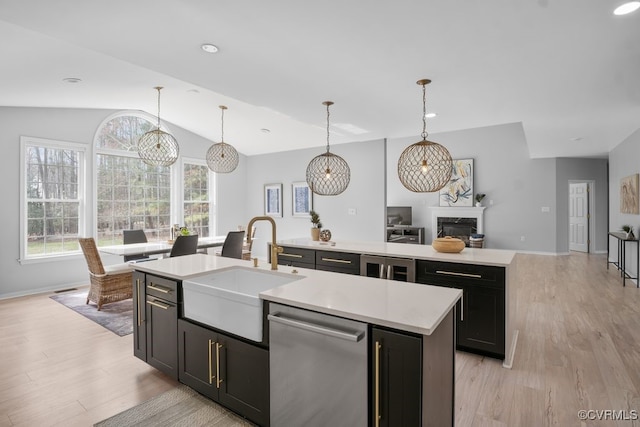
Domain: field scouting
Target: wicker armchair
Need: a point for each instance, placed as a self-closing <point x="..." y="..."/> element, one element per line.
<point x="108" y="284"/>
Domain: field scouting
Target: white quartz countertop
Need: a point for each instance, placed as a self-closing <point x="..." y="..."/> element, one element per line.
<point x="405" y="306"/>
<point x="478" y="256"/>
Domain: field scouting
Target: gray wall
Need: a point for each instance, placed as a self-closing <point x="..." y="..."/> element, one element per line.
<point x="574" y="170"/>
<point x="365" y="194"/>
<point x="518" y="186"/>
<point x="624" y="160"/>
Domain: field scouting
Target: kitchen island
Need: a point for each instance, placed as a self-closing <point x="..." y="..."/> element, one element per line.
<point x="394" y="313"/>
<point x="488" y="278"/>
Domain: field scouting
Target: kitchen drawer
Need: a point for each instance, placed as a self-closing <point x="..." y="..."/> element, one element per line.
<point x="297" y="257"/>
<point x="449" y="273"/>
<point x="162" y="288"/>
<point x="340" y="262"/>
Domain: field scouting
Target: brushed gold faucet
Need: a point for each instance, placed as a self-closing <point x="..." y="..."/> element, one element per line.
<point x="275" y="249"/>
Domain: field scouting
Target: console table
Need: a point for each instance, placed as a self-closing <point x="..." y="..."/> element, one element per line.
<point x="620" y="263"/>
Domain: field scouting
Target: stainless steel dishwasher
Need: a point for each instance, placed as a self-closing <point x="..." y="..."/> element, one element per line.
<point x="318" y="369"/>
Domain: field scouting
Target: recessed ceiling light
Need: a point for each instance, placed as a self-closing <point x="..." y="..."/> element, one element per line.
<point x="430" y="115"/>
<point x="629" y="7"/>
<point x="265" y="130"/>
<point x="193" y="91"/>
<point x="209" y="48"/>
<point x="576" y="138"/>
<point x="71" y="80"/>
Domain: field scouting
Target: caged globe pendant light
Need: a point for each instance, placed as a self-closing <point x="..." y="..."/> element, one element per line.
<point x="426" y="166"/>
<point x="222" y="157"/>
<point x="157" y="147"/>
<point x="328" y="174"/>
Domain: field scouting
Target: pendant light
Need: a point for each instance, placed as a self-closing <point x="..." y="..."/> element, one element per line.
<point x="328" y="174"/>
<point x="426" y="166"/>
<point x="156" y="147"/>
<point x="222" y="157"/>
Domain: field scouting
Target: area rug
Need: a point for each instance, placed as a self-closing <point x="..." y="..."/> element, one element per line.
<point x="116" y="316"/>
<point x="180" y="406"/>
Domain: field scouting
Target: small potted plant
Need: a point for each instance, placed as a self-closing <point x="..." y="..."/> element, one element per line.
<point x="629" y="230"/>
<point x="316" y="225"/>
<point x="479" y="198"/>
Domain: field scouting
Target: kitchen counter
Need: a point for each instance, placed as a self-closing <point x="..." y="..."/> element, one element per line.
<point x="403" y="306"/>
<point x="476" y="256"/>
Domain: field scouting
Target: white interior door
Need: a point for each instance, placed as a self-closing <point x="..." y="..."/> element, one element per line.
<point x="579" y="217"/>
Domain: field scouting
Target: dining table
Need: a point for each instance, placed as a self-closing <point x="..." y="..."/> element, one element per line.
<point x="157" y="247"/>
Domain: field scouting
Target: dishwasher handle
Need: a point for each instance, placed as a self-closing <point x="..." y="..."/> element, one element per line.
<point x="307" y="326"/>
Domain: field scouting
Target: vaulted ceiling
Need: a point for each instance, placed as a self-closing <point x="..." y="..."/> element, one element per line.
<point x="569" y="70"/>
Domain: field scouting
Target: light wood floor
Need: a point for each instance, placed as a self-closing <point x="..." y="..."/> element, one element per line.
<point x="579" y="348"/>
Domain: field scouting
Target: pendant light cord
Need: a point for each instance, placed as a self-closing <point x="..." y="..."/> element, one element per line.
<point x="158" y="89"/>
<point x="424" y="112"/>
<point x="222" y="107"/>
<point x="328" y="104"/>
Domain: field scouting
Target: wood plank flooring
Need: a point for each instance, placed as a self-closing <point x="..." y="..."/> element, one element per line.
<point x="579" y="348"/>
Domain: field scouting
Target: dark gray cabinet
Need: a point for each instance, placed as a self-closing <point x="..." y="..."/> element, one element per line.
<point x="139" y="316"/>
<point x="400" y="269"/>
<point x="397" y="378"/>
<point x="338" y="262"/>
<point x="225" y="369"/>
<point x="296" y="257"/>
<point x="162" y="324"/>
<point x="481" y="311"/>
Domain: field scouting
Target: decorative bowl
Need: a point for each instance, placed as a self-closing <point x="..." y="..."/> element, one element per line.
<point x="448" y="244"/>
<point x="325" y="235"/>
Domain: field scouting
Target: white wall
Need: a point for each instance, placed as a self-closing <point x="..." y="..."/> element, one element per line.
<point x="72" y="125"/>
<point x="365" y="194"/>
<point x="517" y="185"/>
<point x="624" y="160"/>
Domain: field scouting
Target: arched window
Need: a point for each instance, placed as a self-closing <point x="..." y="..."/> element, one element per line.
<point x="129" y="193"/>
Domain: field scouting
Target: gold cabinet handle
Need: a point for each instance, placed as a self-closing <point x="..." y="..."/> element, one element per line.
<point x="455" y="273"/>
<point x="159" y="288"/>
<point x="159" y="305"/>
<point x="211" y="376"/>
<point x="341" y="261"/>
<point x="139" y="298"/>
<point x="218" y="379"/>
<point x="290" y="255"/>
<point x="378" y="416"/>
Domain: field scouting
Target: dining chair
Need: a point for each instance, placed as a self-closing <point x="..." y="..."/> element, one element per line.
<point x="109" y="283"/>
<point x="134" y="236"/>
<point x="233" y="243"/>
<point x="184" y="245"/>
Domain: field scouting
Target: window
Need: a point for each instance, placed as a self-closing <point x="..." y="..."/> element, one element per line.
<point x="129" y="193"/>
<point x="196" y="199"/>
<point x="52" y="197"/>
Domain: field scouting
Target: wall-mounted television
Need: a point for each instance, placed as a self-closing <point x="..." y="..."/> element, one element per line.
<point x="398" y="215"/>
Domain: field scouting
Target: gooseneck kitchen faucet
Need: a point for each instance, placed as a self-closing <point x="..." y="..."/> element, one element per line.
<point x="275" y="249"/>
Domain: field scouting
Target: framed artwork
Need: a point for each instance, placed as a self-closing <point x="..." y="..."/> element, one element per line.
<point x="302" y="200"/>
<point x="629" y="195"/>
<point x="273" y="199"/>
<point x="459" y="190"/>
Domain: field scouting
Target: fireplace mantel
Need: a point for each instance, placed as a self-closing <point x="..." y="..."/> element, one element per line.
<point x="457" y="212"/>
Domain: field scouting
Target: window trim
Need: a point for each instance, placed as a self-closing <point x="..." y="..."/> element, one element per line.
<point x="84" y="151"/>
<point x="211" y="177"/>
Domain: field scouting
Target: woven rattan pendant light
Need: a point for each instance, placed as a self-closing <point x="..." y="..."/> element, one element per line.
<point x="426" y="166"/>
<point x="222" y="157"/>
<point x="328" y="174"/>
<point x="157" y="147"/>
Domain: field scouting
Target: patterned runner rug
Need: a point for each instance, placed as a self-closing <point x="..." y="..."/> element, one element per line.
<point x="116" y="316"/>
<point x="178" y="407"/>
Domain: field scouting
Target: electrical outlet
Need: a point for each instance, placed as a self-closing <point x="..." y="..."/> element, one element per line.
<point x="352" y="211"/>
<point x="522" y="238"/>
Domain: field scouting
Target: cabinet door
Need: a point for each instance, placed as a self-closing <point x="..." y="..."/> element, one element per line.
<point x="397" y="379"/>
<point x="162" y="333"/>
<point x="139" y="316"/>
<point x="401" y="269"/>
<point x="244" y="376"/>
<point x="197" y="358"/>
<point x="338" y="262"/>
<point x="481" y="321"/>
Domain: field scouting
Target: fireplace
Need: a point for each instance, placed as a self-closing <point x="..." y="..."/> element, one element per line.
<point x="460" y="222"/>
